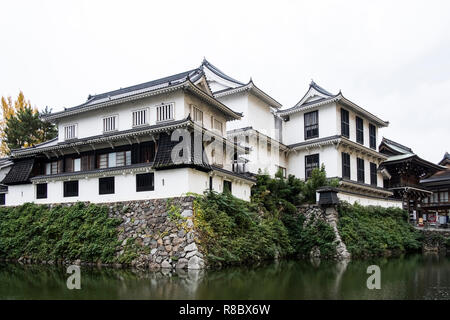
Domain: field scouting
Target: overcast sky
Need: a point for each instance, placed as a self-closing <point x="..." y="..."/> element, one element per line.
<point x="390" y="57"/>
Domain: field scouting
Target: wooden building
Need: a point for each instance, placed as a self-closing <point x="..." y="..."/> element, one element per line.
<point x="403" y="172"/>
<point x="437" y="205"/>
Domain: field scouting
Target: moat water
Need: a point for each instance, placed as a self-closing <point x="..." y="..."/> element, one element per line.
<point x="409" y="277"/>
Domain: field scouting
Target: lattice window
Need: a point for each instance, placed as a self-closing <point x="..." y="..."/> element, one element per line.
<point x="164" y="112"/>
<point x="70" y="132"/>
<point x="140" y="117"/>
<point x="110" y="123"/>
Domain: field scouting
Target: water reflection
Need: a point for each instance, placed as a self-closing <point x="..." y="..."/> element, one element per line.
<point x="412" y="277"/>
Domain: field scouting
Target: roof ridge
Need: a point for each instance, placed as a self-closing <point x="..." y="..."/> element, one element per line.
<point x="397" y="144"/>
<point x="320" y="89"/>
<point x="142" y="85"/>
<point x="219" y="72"/>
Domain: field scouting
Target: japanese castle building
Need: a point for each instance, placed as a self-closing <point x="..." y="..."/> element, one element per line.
<point x="194" y="131"/>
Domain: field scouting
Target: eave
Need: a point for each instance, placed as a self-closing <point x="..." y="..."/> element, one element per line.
<point x="340" y="99"/>
<point x="120" y="135"/>
<point x="246" y="130"/>
<point x="186" y="85"/>
<point x="362" y="187"/>
<point x="252" y="88"/>
<point x="67" y="176"/>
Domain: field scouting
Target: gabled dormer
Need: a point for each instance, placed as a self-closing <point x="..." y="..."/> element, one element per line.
<point x="315" y="93"/>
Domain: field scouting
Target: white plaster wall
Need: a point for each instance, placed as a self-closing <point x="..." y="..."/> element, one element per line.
<point x="239" y="103"/>
<point x="90" y="123"/>
<point x="327" y="156"/>
<point x="352" y="119"/>
<point x="168" y="183"/>
<point x="354" y="171"/>
<point x="367" y="201"/>
<point x="294" y="131"/>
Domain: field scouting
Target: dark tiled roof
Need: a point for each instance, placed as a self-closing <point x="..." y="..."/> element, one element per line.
<point x="320" y="89"/>
<point x="307" y="142"/>
<point x="214" y="69"/>
<point x="248" y="176"/>
<point x="20" y="172"/>
<point x="163" y="158"/>
<point x="111" y="135"/>
<point x="168" y="81"/>
<point x="148" y="84"/>
<point x="443" y="175"/>
<point x="445" y="160"/>
<point x="5" y="162"/>
<point x="390" y="143"/>
<point x="89" y="172"/>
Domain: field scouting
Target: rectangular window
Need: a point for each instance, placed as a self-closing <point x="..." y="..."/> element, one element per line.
<point x="218" y="126"/>
<point x="139" y="117"/>
<point x="345" y="123"/>
<point x="283" y="171"/>
<point x="106" y="185"/>
<point x="51" y="168"/>
<point x="443" y="196"/>
<point x="210" y="183"/>
<point x="164" y="112"/>
<point x="247" y="144"/>
<point x="68" y="165"/>
<point x="87" y="162"/>
<point x="145" y="182"/>
<point x="111" y="160"/>
<point x="197" y="115"/>
<point x="103" y="161"/>
<point x="269" y="148"/>
<point x="373" y="136"/>
<point x="360" y="169"/>
<point x="311" y="162"/>
<point x="373" y="174"/>
<point x="41" y="191"/>
<point x="110" y="123"/>
<point x="359" y="130"/>
<point x="345" y="165"/>
<point x="71" y="188"/>
<point x="2" y="199"/>
<point x="70" y="132"/>
<point x="311" y="124"/>
<point x="227" y="186"/>
<point x="77" y="164"/>
<point x="435" y="197"/>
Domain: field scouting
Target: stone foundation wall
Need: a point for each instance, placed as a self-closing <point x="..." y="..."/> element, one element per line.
<point x="435" y="240"/>
<point x="161" y="233"/>
<point x="330" y="216"/>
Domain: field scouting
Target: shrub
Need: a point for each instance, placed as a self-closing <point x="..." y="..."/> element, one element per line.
<point x="63" y="232"/>
<point x="232" y="231"/>
<point x="374" y="231"/>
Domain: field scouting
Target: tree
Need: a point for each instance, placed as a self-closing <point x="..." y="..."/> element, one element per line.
<point x="21" y="125"/>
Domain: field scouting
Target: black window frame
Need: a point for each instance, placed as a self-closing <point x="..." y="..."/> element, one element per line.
<point x="346" y="165"/>
<point x="227" y="189"/>
<point x="360" y="170"/>
<point x="2" y="199"/>
<point x="314" y="127"/>
<point x="372" y="136"/>
<point x="345" y="123"/>
<point x="40" y="192"/>
<point x="373" y="174"/>
<point x="359" y="130"/>
<point x="106" y="185"/>
<point x="140" y="182"/>
<point x="71" y="193"/>
<point x="312" y="164"/>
